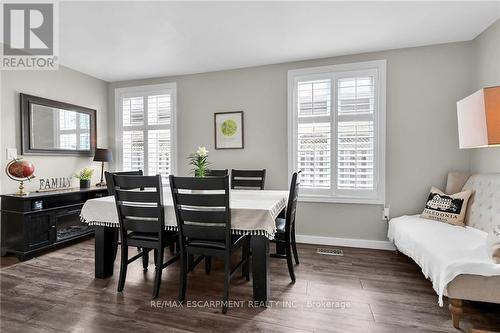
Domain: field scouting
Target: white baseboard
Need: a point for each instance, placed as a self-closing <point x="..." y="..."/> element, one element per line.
<point x="348" y="242"/>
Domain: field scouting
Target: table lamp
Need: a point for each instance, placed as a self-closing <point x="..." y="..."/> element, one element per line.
<point x="102" y="155"/>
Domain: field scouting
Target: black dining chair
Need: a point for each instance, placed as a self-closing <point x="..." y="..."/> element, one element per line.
<point x="248" y="179"/>
<point x="204" y="223"/>
<point x="285" y="228"/>
<point x="107" y="176"/>
<point x="217" y="173"/>
<point x="139" y="203"/>
<point x="210" y="173"/>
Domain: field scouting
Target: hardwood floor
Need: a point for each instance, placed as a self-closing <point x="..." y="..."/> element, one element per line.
<point x="363" y="291"/>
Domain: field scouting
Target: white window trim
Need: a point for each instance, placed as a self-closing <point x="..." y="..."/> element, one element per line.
<point x="121" y="93"/>
<point x="380" y="127"/>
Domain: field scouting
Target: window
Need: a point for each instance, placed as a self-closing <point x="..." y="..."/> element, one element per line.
<point x="146" y="132"/>
<point x="337" y="132"/>
<point x="72" y="130"/>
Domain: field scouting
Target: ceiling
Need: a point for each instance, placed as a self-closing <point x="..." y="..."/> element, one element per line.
<point x="117" y="41"/>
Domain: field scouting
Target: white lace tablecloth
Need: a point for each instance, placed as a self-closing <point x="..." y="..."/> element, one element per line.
<point x="252" y="211"/>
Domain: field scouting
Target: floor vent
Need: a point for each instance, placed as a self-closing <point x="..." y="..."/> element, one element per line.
<point x="330" y="251"/>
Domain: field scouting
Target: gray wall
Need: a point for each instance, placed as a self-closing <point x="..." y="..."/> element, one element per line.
<point x="423" y="85"/>
<point x="64" y="85"/>
<point x="487" y="69"/>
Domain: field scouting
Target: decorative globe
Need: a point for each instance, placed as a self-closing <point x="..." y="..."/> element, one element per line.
<point x="19" y="169"/>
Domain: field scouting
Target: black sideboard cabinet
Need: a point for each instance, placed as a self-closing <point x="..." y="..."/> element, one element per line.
<point x="39" y="221"/>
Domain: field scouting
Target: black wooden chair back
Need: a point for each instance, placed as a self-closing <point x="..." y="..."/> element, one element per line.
<point x="107" y="176"/>
<point x="202" y="209"/>
<point x="285" y="229"/>
<point x="139" y="203"/>
<point x="217" y="173"/>
<point x="248" y="179"/>
<point x="291" y="207"/>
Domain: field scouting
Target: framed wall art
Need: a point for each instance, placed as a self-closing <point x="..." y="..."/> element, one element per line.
<point x="229" y="133"/>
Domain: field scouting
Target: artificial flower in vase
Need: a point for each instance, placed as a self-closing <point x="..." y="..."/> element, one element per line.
<point x="85" y="175"/>
<point x="199" y="162"/>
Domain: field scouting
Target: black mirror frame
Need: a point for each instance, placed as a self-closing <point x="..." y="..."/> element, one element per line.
<point x="27" y="101"/>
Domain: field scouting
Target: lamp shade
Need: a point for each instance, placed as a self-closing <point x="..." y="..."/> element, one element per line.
<point x="103" y="155"/>
<point x="479" y="119"/>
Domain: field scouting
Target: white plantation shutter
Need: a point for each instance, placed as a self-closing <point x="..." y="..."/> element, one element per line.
<point x="159" y="152"/>
<point x="314" y="133"/>
<point x="314" y="98"/>
<point x="147" y="129"/>
<point x="133" y="111"/>
<point x="159" y="109"/>
<point x="355" y="155"/>
<point x="313" y="154"/>
<point x="133" y="150"/>
<point x="355" y="133"/>
<point x="337" y="131"/>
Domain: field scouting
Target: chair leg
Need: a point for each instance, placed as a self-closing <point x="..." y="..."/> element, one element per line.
<point x="227" y="278"/>
<point x="155" y="254"/>
<point x="123" y="267"/>
<point x="289" y="262"/>
<point x="294" y="246"/>
<point x="145" y="259"/>
<point x="208" y="264"/>
<point x="245" y="271"/>
<point x="183" y="277"/>
<point x="190" y="267"/>
<point x="159" y="263"/>
<point x="115" y="245"/>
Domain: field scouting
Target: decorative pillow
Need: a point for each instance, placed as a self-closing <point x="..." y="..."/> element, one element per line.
<point x="493" y="244"/>
<point x="456" y="180"/>
<point x="448" y="208"/>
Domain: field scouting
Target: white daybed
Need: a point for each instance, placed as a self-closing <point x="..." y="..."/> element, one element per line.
<point x="455" y="258"/>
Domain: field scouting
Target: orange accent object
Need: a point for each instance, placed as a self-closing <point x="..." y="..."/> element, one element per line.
<point x="492" y="107"/>
<point x="479" y="119"/>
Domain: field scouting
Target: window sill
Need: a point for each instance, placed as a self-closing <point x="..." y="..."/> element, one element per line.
<point x="342" y="200"/>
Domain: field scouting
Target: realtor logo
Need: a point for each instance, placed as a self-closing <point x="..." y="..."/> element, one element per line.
<point x="29" y="32"/>
<point x="28" y="29"/>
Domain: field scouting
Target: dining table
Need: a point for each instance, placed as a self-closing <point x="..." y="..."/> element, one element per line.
<point x="253" y="212"/>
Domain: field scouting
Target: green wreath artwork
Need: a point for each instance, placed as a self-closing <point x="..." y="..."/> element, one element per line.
<point x="229" y="127"/>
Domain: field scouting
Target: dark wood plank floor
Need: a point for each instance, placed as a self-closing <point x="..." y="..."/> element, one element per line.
<point x="363" y="291"/>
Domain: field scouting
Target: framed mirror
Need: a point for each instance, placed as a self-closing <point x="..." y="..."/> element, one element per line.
<point x="50" y="127"/>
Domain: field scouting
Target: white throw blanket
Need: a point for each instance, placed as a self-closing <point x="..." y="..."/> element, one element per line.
<point x="493" y="244"/>
<point x="443" y="251"/>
